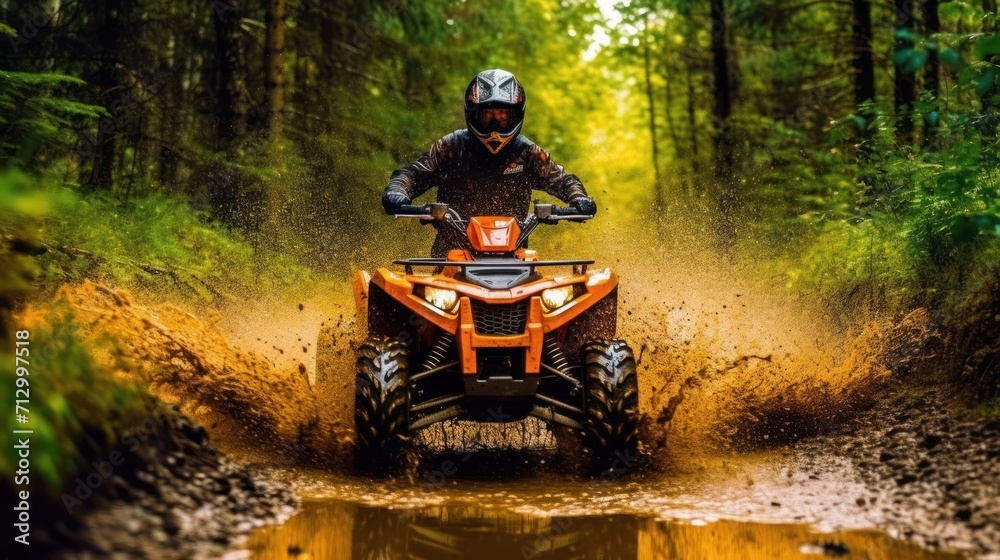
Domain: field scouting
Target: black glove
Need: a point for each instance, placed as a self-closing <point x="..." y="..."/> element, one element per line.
<point x="392" y="200"/>
<point x="585" y="205"/>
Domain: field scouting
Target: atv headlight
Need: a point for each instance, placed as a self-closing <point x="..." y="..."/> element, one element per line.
<point x="554" y="298"/>
<point x="441" y="298"/>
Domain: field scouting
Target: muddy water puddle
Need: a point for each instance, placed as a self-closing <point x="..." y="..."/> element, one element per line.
<point x="742" y="512"/>
<point x="335" y="529"/>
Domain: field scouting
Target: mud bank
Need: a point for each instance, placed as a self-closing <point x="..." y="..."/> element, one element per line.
<point x="246" y="400"/>
<point x="174" y="496"/>
<point x="929" y="473"/>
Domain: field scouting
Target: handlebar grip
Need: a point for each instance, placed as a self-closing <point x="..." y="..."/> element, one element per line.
<point x="567" y="211"/>
<point x="410" y="210"/>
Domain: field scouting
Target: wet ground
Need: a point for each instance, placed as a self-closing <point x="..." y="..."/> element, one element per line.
<point x="340" y="530"/>
<point x="553" y="518"/>
<point x="755" y="506"/>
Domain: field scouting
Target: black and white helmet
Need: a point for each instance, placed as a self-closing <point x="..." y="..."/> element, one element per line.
<point x="494" y="108"/>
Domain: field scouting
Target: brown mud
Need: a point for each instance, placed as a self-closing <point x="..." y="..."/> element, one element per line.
<point x="172" y="496"/>
<point x="245" y="399"/>
<point x="351" y="531"/>
<point x="931" y="474"/>
<point x="707" y="385"/>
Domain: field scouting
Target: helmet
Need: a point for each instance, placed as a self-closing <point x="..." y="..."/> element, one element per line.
<point x="494" y="108"/>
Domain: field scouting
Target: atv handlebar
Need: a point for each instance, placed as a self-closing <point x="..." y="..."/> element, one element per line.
<point x="549" y="213"/>
<point x="545" y="213"/>
<point x="408" y="210"/>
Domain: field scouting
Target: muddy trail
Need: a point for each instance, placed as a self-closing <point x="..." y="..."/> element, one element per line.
<point x="744" y="394"/>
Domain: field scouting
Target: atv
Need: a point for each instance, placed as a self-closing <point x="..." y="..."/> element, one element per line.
<point x="484" y="335"/>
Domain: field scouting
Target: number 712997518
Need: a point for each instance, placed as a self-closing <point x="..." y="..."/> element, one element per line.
<point x="21" y="352"/>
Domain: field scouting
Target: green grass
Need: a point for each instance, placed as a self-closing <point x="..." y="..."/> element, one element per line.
<point x="157" y="242"/>
<point x="78" y="412"/>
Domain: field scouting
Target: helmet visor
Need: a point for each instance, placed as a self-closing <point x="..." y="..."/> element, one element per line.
<point x="496" y="119"/>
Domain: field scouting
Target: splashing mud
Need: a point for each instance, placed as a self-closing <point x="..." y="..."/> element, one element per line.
<point x="732" y="361"/>
<point x="243" y="398"/>
<point x="728" y="359"/>
<point x="724" y="363"/>
<point x="731" y="368"/>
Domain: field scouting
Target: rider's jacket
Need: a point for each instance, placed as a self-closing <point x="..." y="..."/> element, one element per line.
<point x="477" y="183"/>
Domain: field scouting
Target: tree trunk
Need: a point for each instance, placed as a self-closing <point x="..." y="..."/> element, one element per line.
<point x="932" y="26"/>
<point x="274" y="64"/>
<point x="668" y="108"/>
<point x="232" y="104"/>
<point x="170" y="123"/>
<point x="227" y="191"/>
<point x="107" y="79"/>
<point x="692" y="118"/>
<point x="904" y="82"/>
<point x="932" y="72"/>
<point x="722" y="90"/>
<point x="720" y="62"/>
<point x="658" y="187"/>
<point x="862" y="64"/>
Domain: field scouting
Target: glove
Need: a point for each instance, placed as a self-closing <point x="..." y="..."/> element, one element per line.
<point x="585" y="205"/>
<point x="393" y="200"/>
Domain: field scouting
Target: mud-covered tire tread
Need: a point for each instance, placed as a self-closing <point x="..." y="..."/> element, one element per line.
<point x="611" y="404"/>
<point x="380" y="405"/>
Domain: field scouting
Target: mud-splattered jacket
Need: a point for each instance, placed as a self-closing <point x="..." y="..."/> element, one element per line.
<point x="477" y="183"/>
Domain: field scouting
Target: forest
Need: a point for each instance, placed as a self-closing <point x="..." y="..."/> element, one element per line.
<point x="214" y="151"/>
<point x="851" y="145"/>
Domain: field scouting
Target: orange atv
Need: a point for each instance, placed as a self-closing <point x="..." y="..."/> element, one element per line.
<point x="484" y="335"/>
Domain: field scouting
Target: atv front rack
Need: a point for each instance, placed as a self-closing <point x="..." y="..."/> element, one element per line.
<point x="436" y="262"/>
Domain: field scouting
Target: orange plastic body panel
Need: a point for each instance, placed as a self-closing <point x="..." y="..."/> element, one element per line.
<point x="459" y="255"/>
<point x="495" y="234"/>
<point x="456" y="255"/>
<point x="526" y="254"/>
<point x="597" y="284"/>
<point x="360" y="289"/>
<point x="531" y="340"/>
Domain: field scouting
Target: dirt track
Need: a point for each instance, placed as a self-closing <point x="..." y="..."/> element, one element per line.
<point x="930" y="476"/>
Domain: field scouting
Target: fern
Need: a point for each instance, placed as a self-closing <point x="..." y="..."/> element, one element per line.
<point x="37" y="113"/>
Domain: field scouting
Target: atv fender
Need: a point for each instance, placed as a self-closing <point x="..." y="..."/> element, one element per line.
<point x="360" y="287"/>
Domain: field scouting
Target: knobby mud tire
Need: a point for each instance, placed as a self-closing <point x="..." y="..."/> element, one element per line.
<point x="611" y="407"/>
<point x="380" y="407"/>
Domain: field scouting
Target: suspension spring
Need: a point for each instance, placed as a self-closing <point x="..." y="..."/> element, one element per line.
<point x="439" y="352"/>
<point x="554" y="355"/>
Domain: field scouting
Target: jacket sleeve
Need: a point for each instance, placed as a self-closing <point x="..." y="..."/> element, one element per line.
<point x="418" y="177"/>
<point x="554" y="179"/>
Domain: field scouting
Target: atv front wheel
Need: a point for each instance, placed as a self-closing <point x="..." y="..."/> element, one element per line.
<point x="380" y="402"/>
<point x="611" y="406"/>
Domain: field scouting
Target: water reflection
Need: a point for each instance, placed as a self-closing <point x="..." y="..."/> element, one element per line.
<point x="337" y="530"/>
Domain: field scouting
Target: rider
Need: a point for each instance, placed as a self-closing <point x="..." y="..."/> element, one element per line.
<point x="488" y="169"/>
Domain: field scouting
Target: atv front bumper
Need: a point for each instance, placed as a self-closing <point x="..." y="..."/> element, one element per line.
<point x="493" y="353"/>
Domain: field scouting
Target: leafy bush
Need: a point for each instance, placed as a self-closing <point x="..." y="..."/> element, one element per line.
<point x="155" y="241"/>
<point x="77" y="412"/>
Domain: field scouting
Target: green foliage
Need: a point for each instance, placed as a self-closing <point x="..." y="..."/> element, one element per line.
<point x="155" y="241"/>
<point x="78" y="412"/>
<point x="35" y="116"/>
<point x="891" y="202"/>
